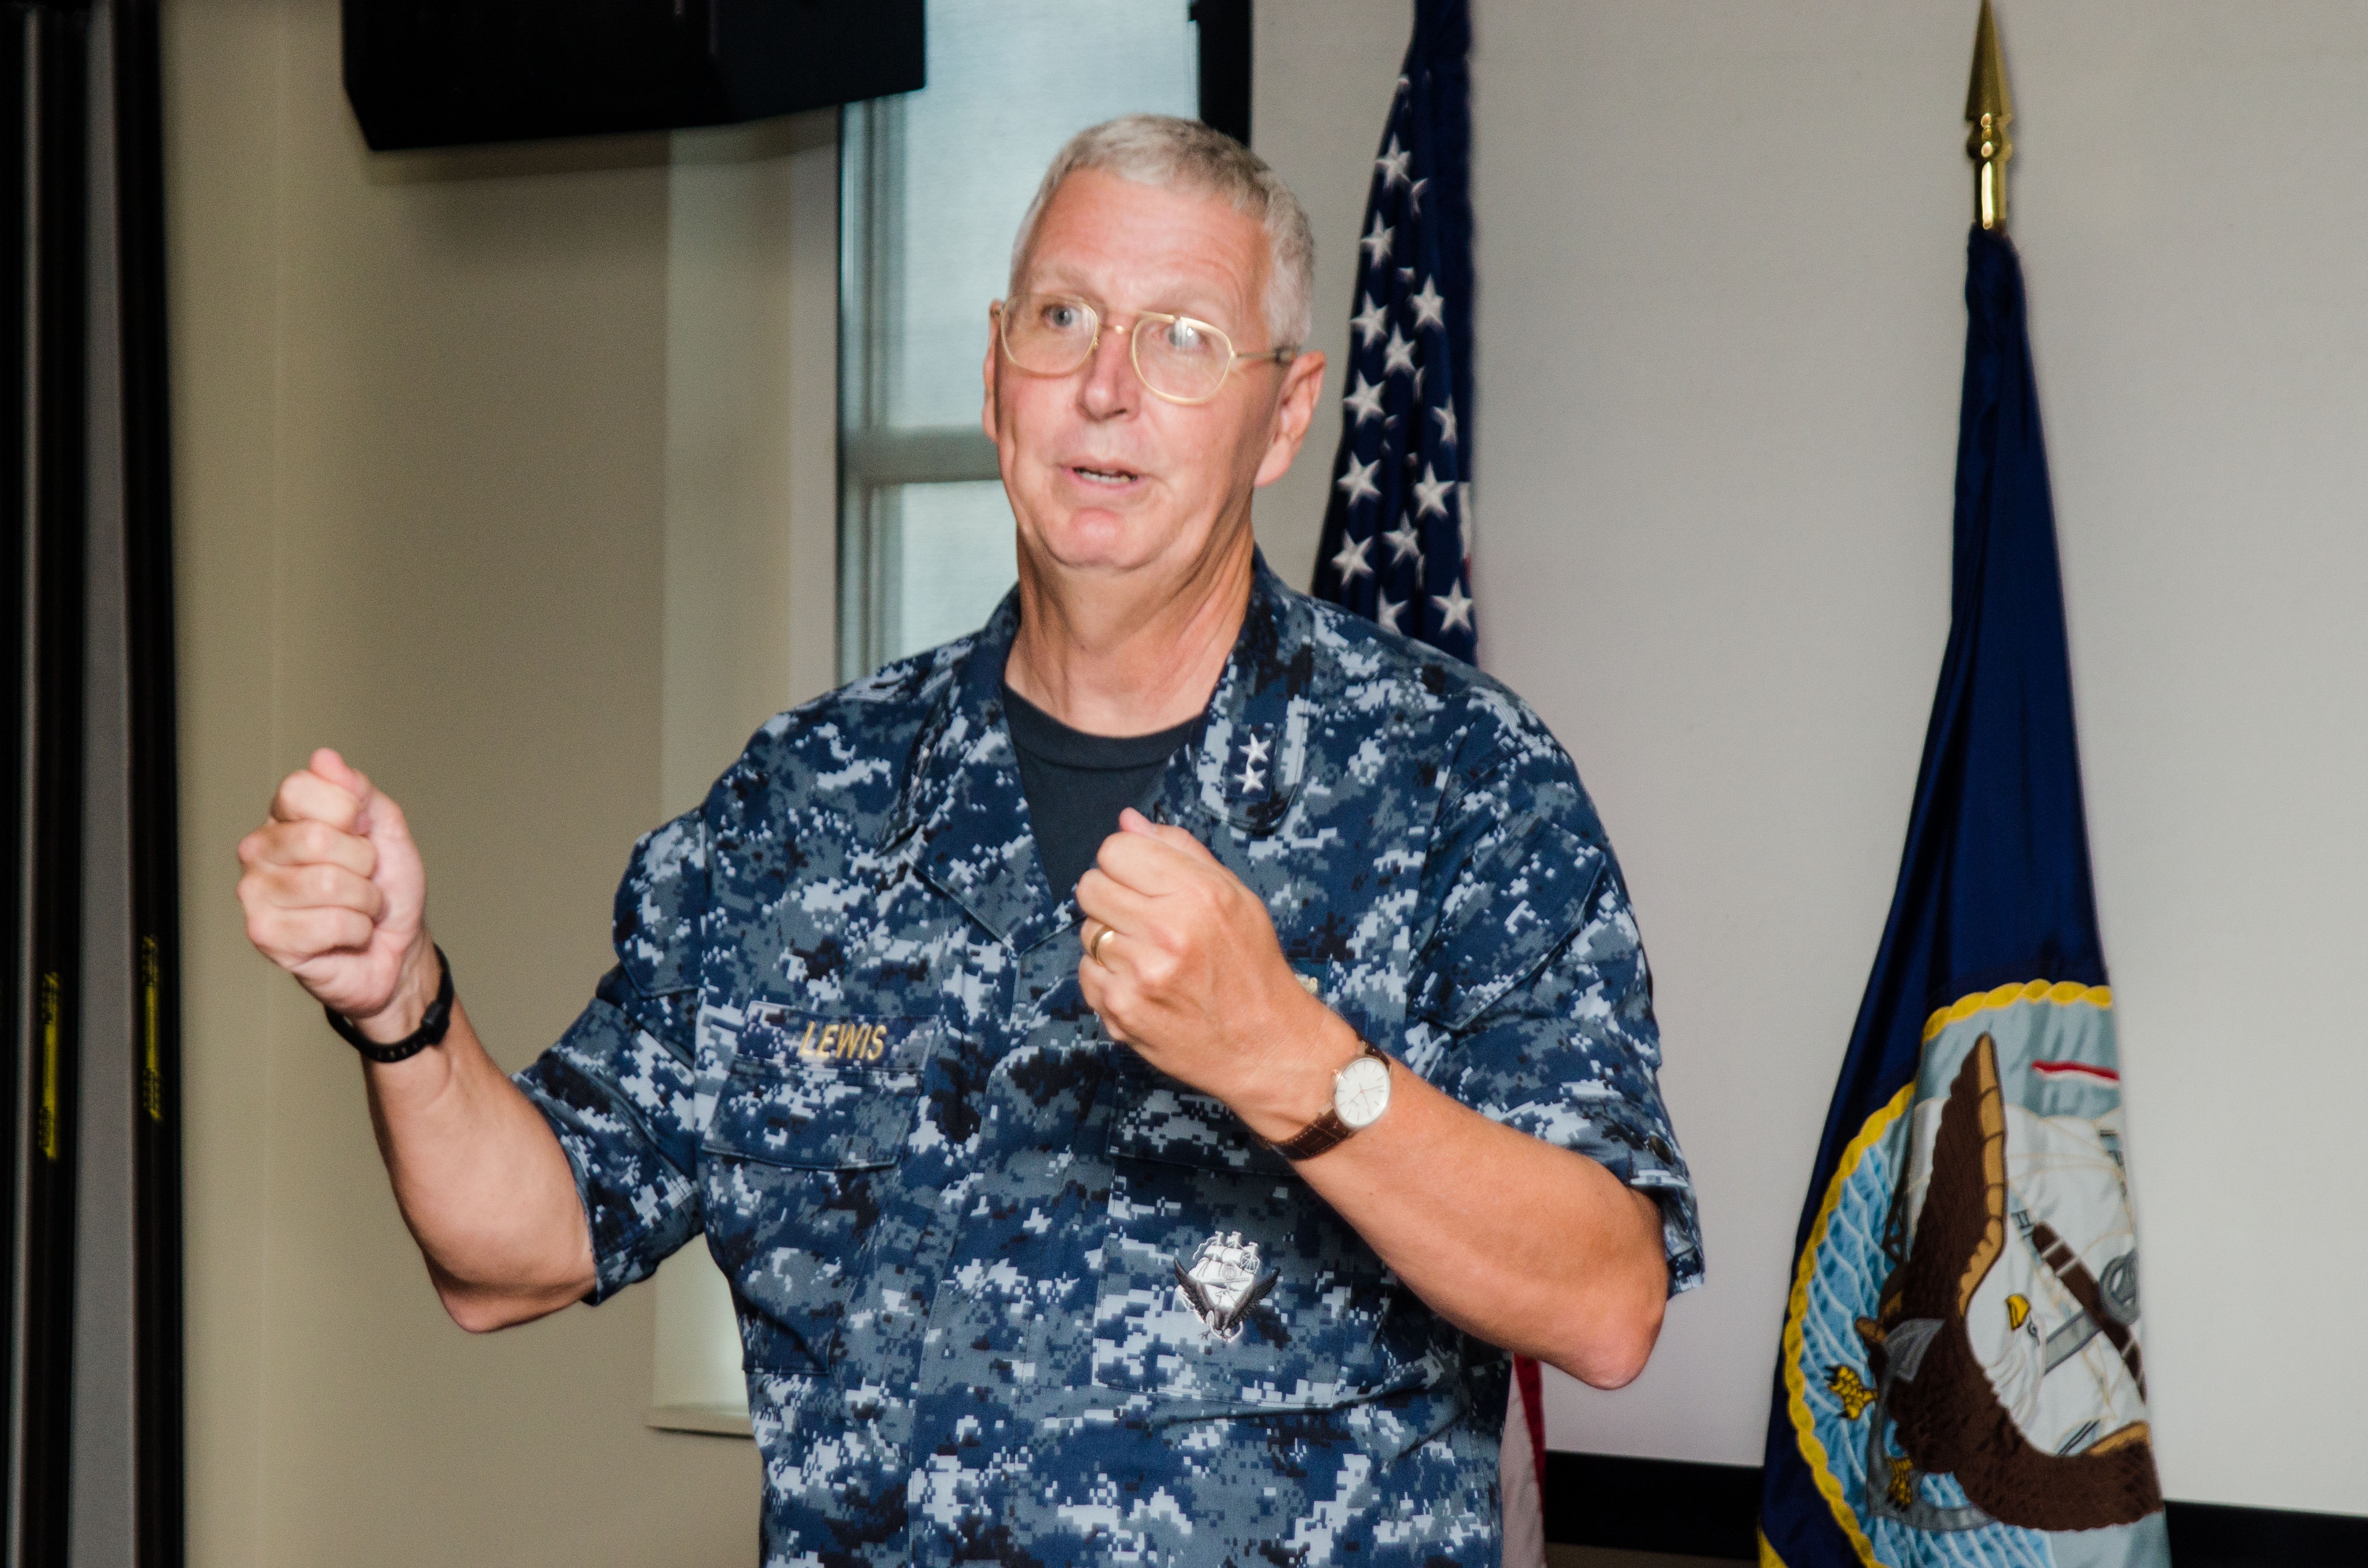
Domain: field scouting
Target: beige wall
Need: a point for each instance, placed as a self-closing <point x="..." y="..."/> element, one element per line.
<point x="423" y="445"/>
<point x="752" y="356"/>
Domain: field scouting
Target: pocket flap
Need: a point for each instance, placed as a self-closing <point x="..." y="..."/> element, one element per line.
<point x="1158" y="1119"/>
<point x="1521" y="901"/>
<point x="818" y="1093"/>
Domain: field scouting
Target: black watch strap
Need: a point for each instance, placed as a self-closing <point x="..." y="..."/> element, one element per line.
<point x="432" y="1024"/>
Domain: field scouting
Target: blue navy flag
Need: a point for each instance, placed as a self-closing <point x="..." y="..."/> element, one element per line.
<point x="1396" y="545"/>
<point x="1960" y="1381"/>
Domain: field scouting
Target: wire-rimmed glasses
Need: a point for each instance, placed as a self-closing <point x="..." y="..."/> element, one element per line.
<point x="1180" y="358"/>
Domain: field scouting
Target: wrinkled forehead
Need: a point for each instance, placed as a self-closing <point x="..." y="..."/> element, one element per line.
<point x="1125" y="244"/>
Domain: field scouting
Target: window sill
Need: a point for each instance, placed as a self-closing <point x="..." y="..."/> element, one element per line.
<point x="714" y="1420"/>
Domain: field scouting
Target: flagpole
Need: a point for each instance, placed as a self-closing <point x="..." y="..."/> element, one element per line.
<point x="1988" y="108"/>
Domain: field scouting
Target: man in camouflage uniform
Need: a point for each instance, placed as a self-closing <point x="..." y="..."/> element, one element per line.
<point x="1082" y="1227"/>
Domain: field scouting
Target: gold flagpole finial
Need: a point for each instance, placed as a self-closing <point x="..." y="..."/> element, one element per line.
<point x="1988" y="108"/>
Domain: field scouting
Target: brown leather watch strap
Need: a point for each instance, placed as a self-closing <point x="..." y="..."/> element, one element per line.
<point x="1327" y="1131"/>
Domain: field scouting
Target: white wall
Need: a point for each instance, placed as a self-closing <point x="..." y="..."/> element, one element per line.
<point x="1721" y="248"/>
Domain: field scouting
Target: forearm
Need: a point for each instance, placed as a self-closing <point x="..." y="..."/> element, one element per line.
<point x="482" y="1183"/>
<point x="1528" y="1247"/>
<point x="1531" y="1247"/>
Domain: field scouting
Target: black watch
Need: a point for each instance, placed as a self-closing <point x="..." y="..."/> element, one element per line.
<point x="432" y="1024"/>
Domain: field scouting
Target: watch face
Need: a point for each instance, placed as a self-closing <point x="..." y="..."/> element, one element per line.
<point x="1361" y="1092"/>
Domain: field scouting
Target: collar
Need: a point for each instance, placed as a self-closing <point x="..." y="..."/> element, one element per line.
<point x="962" y="814"/>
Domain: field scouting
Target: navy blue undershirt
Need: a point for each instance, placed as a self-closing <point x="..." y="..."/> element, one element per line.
<point x="1076" y="783"/>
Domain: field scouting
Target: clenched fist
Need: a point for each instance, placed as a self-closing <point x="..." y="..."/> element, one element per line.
<point x="335" y="893"/>
<point x="1191" y="977"/>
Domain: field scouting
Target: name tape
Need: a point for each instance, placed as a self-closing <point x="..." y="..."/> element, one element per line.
<point x="792" y="1039"/>
<point x="843" y="1042"/>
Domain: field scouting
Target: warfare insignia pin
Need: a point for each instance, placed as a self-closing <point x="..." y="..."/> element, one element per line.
<point x="1223" y="1282"/>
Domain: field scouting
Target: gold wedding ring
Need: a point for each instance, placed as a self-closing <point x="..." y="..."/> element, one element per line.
<point x="1095" y="952"/>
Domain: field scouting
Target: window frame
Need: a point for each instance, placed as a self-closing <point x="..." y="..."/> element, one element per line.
<point x="874" y="457"/>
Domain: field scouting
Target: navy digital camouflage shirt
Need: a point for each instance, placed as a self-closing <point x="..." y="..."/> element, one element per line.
<point x="844" y="1040"/>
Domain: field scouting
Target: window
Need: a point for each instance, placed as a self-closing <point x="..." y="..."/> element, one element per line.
<point x="934" y="186"/>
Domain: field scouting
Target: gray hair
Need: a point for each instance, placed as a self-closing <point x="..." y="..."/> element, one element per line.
<point x="1160" y="149"/>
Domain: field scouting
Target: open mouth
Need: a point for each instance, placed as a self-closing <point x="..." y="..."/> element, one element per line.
<point x="1111" y="477"/>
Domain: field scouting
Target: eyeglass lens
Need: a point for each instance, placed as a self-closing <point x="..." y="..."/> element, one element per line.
<point x="1177" y="358"/>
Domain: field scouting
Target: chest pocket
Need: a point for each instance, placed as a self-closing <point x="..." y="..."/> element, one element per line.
<point x="807" y="1131"/>
<point x="1286" y="1306"/>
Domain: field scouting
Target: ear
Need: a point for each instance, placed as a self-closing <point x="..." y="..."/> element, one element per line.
<point x="1294" y="415"/>
<point x="988" y="373"/>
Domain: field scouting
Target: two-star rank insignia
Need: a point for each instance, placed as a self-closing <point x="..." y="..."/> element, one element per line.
<point x="1250" y="763"/>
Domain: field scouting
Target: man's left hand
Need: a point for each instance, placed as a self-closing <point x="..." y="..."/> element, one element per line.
<point x="1191" y="977"/>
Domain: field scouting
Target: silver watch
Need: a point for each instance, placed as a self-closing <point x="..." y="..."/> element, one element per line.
<point x="1360" y="1093"/>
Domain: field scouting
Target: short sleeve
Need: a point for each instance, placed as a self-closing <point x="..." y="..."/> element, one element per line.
<point x="1533" y="1000"/>
<point x="619" y="1087"/>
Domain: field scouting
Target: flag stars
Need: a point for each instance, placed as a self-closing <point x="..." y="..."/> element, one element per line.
<point x="1431" y="493"/>
<point x="1455" y="609"/>
<point x="1399" y="506"/>
<point x="1363" y="399"/>
<point x="1357" y="484"/>
<point x="1430" y="306"/>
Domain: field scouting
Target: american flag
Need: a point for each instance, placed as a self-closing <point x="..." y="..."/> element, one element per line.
<point x="1396" y="535"/>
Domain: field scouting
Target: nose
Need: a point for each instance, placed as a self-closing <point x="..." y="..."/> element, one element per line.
<point x="1109" y="388"/>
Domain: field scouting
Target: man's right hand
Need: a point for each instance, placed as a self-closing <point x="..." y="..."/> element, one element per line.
<point x="336" y="894"/>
